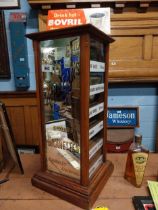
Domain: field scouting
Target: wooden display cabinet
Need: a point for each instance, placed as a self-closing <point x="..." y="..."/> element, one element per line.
<point x="71" y="73"/>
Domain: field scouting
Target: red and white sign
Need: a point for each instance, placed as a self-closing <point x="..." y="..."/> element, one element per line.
<point x="17" y="17"/>
<point x="100" y="17"/>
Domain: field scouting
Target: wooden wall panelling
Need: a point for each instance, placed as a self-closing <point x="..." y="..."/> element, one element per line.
<point x="35" y="123"/>
<point x="23" y="115"/>
<point x="16" y="117"/>
<point x="117" y="5"/>
<point x="42" y="18"/>
<point x="31" y="125"/>
<point x="155" y="47"/>
<point x="132" y="56"/>
<point x="147" y="47"/>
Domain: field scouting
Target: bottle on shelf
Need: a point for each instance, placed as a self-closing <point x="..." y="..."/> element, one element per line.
<point x="136" y="162"/>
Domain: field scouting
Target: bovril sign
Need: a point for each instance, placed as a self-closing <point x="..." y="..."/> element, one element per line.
<point x="99" y="17"/>
<point x="122" y="117"/>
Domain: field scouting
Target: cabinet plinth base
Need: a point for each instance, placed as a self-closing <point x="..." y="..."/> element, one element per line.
<point x="73" y="192"/>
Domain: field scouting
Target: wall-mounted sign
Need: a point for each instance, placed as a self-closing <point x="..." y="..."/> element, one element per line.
<point x="99" y="17"/>
<point x="17" y="17"/>
<point x="123" y="117"/>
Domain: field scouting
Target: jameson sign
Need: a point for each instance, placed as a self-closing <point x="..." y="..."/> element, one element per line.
<point x="122" y="117"/>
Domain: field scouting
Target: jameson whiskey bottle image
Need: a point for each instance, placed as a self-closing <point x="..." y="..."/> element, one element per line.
<point x="136" y="162"/>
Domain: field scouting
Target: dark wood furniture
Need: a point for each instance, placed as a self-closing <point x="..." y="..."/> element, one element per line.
<point x="71" y="72"/>
<point x="116" y="192"/>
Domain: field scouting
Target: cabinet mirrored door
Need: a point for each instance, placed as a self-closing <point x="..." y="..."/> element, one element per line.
<point x="96" y="105"/>
<point x="60" y="65"/>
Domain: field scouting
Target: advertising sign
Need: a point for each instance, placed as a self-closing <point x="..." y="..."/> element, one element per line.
<point x="99" y="17"/>
<point x="63" y="154"/>
<point x="122" y="117"/>
<point x="17" y="17"/>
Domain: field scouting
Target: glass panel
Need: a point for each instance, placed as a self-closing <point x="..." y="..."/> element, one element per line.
<point x="96" y="109"/>
<point x="61" y="85"/>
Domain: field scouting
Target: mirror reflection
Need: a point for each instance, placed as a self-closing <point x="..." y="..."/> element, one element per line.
<point x="60" y="65"/>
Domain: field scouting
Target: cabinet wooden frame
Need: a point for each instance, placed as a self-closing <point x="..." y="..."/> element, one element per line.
<point x="82" y="192"/>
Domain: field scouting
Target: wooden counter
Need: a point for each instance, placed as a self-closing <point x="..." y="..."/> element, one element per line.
<point x="19" y="194"/>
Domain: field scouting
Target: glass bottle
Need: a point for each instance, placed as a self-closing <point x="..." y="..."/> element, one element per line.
<point x="136" y="162"/>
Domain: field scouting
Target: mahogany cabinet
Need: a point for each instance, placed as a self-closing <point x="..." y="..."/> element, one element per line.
<point x="71" y="73"/>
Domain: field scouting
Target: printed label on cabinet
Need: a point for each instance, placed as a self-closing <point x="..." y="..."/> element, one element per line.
<point x="96" y="110"/>
<point x="94" y="130"/>
<point x="96" y="66"/>
<point x="95" y="89"/>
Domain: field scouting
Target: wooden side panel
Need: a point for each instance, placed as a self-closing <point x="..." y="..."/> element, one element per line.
<point x="42" y="22"/>
<point x="23" y="115"/>
<point x="155" y="47"/>
<point x="147" y="48"/>
<point x="16" y="117"/>
<point x="122" y="49"/>
<point x="35" y="125"/>
<point x="31" y="125"/>
<point x="84" y="91"/>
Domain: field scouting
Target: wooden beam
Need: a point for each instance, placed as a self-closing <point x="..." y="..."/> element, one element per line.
<point x="143" y="6"/>
<point x="148" y="47"/>
<point x="119" y="6"/>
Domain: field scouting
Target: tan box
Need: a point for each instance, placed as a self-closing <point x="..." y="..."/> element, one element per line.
<point x="119" y="140"/>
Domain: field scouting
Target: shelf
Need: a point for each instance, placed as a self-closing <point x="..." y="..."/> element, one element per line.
<point x="96" y="66"/>
<point x="94" y="110"/>
<point x="94" y="167"/>
<point x="95" y="129"/>
<point x="95" y="89"/>
<point x="96" y="145"/>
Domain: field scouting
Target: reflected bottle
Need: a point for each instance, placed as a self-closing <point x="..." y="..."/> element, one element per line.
<point x="136" y="162"/>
